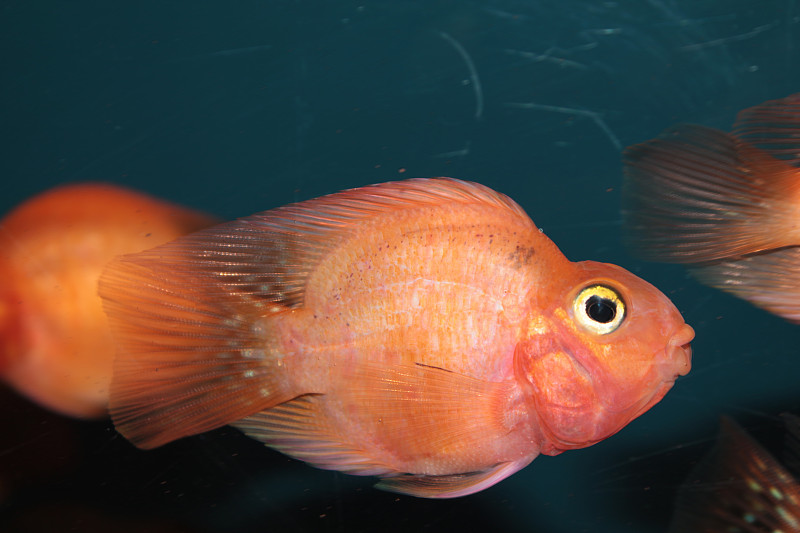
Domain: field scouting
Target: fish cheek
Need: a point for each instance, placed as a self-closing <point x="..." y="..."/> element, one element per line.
<point x="620" y="367"/>
<point x="562" y="393"/>
<point x="630" y="361"/>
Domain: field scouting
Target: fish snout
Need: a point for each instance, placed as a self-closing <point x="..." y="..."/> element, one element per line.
<point x="679" y="350"/>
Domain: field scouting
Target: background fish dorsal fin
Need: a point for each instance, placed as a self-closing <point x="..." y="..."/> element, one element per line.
<point x="773" y="127"/>
<point x="696" y="194"/>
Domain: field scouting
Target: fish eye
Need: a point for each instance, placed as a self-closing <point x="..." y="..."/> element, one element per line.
<point x="599" y="309"/>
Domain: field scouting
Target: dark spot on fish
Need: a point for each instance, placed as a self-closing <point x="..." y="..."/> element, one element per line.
<point x="521" y="256"/>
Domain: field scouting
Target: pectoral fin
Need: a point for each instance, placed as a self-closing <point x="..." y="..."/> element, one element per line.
<point x="398" y="415"/>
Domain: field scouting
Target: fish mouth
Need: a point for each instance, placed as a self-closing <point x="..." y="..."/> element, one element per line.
<point x="679" y="351"/>
<point x="678" y="362"/>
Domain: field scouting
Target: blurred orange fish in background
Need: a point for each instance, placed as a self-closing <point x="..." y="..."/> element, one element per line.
<point x="56" y="346"/>
<point x="740" y="487"/>
<point x="424" y="331"/>
<point x="726" y="204"/>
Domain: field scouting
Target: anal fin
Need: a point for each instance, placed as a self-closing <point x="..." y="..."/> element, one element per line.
<point x="451" y="486"/>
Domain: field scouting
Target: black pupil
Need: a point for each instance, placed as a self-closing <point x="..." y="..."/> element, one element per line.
<point x="600" y="309"/>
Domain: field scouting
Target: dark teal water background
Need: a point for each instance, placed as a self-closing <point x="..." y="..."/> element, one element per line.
<point x="238" y="107"/>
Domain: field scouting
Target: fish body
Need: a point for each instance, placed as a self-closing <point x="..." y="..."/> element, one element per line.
<point x="725" y="204"/>
<point x="56" y="347"/>
<point x="424" y="331"/>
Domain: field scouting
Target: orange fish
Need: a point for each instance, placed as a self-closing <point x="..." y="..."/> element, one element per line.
<point x="424" y="331"/>
<point x="740" y="487"/>
<point x="55" y="345"/>
<point x="726" y="204"/>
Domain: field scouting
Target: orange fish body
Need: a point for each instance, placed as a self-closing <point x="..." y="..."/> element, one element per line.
<point x="56" y="346"/>
<point x="423" y="331"/>
<point x="726" y="204"/>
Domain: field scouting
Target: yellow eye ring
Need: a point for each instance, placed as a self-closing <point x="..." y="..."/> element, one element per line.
<point x="599" y="309"/>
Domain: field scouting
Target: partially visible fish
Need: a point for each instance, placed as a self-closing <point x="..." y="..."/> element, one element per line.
<point x="726" y="204"/>
<point x="55" y="345"/>
<point x="424" y="331"/>
<point x="740" y="488"/>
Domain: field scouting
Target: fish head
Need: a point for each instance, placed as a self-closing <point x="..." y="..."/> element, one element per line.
<point x="605" y="348"/>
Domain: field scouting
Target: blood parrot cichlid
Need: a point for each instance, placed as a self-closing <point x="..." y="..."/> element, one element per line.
<point x="55" y="344"/>
<point x="424" y="331"/>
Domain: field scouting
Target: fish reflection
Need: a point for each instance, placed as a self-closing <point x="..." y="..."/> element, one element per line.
<point x="423" y="331"/>
<point x="55" y="345"/>
<point x="726" y="204"/>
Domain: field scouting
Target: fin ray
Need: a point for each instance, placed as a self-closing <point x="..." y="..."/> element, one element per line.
<point x="774" y="127"/>
<point x="737" y="484"/>
<point x="452" y="486"/>
<point x="182" y="368"/>
<point x="768" y="280"/>
<point x="297" y="428"/>
<point x="414" y="408"/>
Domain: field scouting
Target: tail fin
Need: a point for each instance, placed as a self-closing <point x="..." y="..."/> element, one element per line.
<point x="194" y="347"/>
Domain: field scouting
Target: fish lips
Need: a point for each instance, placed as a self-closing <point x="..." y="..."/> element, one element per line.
<point x="679" y="352"/>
